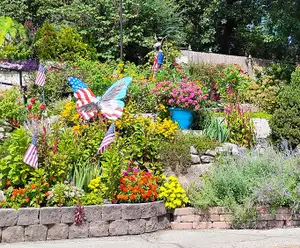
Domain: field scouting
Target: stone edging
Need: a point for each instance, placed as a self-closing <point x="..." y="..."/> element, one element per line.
<point x="220" y="218"/>
<point x="52" y="223"/>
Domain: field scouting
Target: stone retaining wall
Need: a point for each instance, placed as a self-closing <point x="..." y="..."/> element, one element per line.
<point x="34" y="224"/>
<point x="220" y="218"/>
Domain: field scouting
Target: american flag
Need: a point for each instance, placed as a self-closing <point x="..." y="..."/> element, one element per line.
<point x="108" y="139"/>
<point x="31" y="156"/>
<point x="41" y="76"/>
<point x="84" y="96"/>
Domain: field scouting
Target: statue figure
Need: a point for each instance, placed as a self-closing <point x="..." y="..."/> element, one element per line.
<point x="159" y="57"/>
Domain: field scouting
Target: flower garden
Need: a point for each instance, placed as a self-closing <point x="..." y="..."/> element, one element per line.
<point x="149" y="151"/>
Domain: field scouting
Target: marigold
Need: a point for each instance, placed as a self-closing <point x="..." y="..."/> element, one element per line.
<point x="27" y="200"/>
<point x="33" y="186"/>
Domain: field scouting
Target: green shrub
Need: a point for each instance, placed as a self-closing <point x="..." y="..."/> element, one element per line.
<point x="285" y="122"/>
<point x="216" y="129"/>
<point x="253" y="179"/>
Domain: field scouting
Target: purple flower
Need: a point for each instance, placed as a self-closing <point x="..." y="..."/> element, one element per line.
<point x="136" y="170"/>
<point x="125" y="173"/>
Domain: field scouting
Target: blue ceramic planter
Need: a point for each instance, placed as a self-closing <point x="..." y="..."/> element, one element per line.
<point x="184" y="117"/>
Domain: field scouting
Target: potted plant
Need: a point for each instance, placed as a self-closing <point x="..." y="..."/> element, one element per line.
<point x="182" y="99"/>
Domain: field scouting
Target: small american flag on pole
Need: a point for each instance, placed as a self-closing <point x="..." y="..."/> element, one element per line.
<point x="108" y="139"/>
<point x="31" y="156"/>
<point x="41" y="76"/>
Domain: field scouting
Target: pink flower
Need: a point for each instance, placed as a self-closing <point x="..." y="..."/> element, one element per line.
<point x="190" y="101"/>
<point x="33" y="100"/>
<point x="136" y="170"/>
<point x="43" y="106"/>
<point x="197" y="107"/>
<point x="124" y="173"/>
<point x="171" y="100"/>
<point x="29" y="107"/>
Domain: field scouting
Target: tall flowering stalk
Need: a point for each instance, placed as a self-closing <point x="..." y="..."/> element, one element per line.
<point x="187" y="95"/>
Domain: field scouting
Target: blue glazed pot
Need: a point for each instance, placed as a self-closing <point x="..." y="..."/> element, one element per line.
<point x="184" y="117"/>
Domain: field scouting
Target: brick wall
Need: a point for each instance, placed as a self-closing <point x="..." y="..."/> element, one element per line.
<point x="53" y="223"/>
<point x="220" y="218"/>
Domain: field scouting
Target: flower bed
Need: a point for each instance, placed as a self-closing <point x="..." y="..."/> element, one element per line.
<point x="53" y="223"/>
<point x="220" y="218"/>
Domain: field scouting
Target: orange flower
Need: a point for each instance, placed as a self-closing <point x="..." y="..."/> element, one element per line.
<point x="234" y="80"/>
<point x="7" y="183"/>
<point x="149" y="193"/>
<point x="131" y="188"/>
<point x="132" y="197"/>
<point x="21" y="191"/>
<point x="47" y="193"/>
<point x="15" y="192"/>
<point x="125" y="189"/>
<point x="12" y="198"/>
<point x="26" y="189"/>
<point x="144" y="196"/>
<point x="51" y="178"/>
<point x="33" y="186"/>
<point x="47" y="185"/>
<point x="125" y="197"/>
<point x="27" y="200"/>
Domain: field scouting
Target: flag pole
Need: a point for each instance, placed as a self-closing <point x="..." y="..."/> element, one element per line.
<point x="121" y="30"/>
<point x="43" y="94"/>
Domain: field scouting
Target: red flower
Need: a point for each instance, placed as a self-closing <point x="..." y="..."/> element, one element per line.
<point x="43" y="106"/>
<point x="223" y="75"/>
<point x="33" y="100"/>
<point x="29" y="107"/>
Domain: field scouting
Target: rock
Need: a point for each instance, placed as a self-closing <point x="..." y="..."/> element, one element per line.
<point x="148" y="210"/>
<point x="79" y="231"/>
<point x="193" y="150"/>
<point x="28" y="216"/>
<point x="50" y="215"/>
<point x="58" y="231"/>
<point x="36" y="233"/>
<point x="111" y="212"/>
<point x="163" y="222"/>
<point x="13" y="234"/>
<point x="136" y="226"/>
<point x="211" y="153"/>
<point x="68" y="214"/>
<point x="206" y="159"/>
<point x="93" y="213"/>
<point x="262" y="128"/>
<point x="2" y="197"/>
<point x="220" y="150"/>
<point x="98" y="229"/>
<point x="118" y="227"/>
<point x="8" y="217"/>
<point x="235" y="151"/>
<point x="229" y="146"/>
<point x="131" y="211"/>
<point x="151" y="224"/>
<point x="195" y="159"/>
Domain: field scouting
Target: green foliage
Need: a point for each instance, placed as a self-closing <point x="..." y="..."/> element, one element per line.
<point x="65" y="44"/>
<point x="241" y="128"/>
<point x="11" y="108"/>
<point x="252" y="179"/>
<point x="92" y="199"/>
<point x="176" y="154"/>
<point x="216" y="129"/>
<point x="173" y="194"/>
<point x="285" y="122"/>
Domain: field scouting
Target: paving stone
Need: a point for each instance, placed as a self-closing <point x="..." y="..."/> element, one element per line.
<point x="8" y="217"/>
<point x="58" y="231"/>
<point x="93" y="213"/>
<point x="13" y="234"/>
<point x="50" y="215"/>
<point x="28" y="216"/>
<point x="98" y="229"/>
<point x="36" y="233"/>
<point x="181" y="226"/>
<point x="118" y="228"/>
<point x="111" y="212"/>
<point x="136" y="226"/>
<point x="79" y="231"/>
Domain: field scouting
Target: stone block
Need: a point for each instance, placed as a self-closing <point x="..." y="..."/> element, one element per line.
<point x="160" y="207"/>
<point x="148" y="210"/>
<point x="187" y="218"/>
<point x="177" y="218"/>
<point x="202" y="225"/>
<point x="221" y="225"/>
<point x="295" y="223"/>
<point x="163" y="222"/>
<point x="28" y="216"/>
<point x="266" y="217"/>
<point x="151" y="224"/>
<point x="98" y="229"/>
<point x="283" y="216"/>
<point x="195" y="159"/>
<point x="214" y="217"/>
<point x="262" y="210"/>
<point x="219" y="210"/>
<point x="13" y="234"/>
<point x="184" y="211"/>
<point x="50" y="215"/>
<point x="8" y="217"/>
<point x="111" y="212"/>
<point x="263" y="224"/>
<point x="131" y="211"/>
<point x="79" y="231"/>
<point x="225" y="217"/>
<point x="93" y="213"/>
<point x="58" y="231"/>
<point x="136" y="226"/>
<point x="275" y="223"/>
<point x="181" y="226"/>
<point x="36" y="233"/>
<point x="284" y="211"/>
<point x="207" y="159"/>
<point x="68" y="214"/>
<point x="118" y="228"/>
